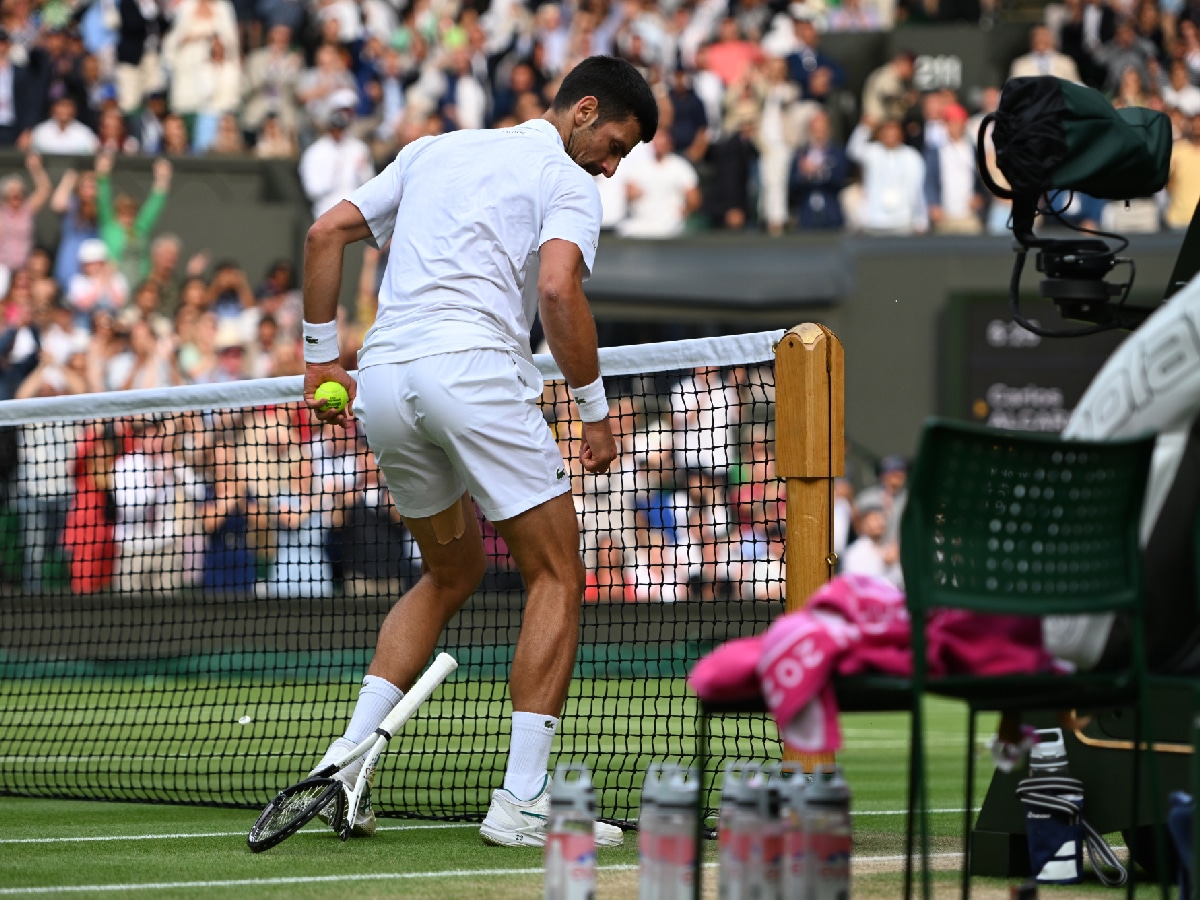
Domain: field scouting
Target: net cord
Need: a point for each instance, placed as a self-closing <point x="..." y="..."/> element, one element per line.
<point x="637" y="359"/>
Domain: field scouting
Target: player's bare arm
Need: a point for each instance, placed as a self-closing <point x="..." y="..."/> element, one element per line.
<point x="571" y="334"/>
<point x="324" y="248"/>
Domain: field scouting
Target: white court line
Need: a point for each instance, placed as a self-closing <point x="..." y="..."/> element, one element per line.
<point x="431" y="827"/>
<point x="298" y="879"/>
<point x="320" y="879"/>
<point x="214" y="834"/>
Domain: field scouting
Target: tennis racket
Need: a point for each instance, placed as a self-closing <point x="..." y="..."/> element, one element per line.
<point x="296" y="806"/>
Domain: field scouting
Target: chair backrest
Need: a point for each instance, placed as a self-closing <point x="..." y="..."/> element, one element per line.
<point x="1023" y="523"/>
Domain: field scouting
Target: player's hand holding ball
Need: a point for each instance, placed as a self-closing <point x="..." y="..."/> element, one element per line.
<point x="329" y="392"/>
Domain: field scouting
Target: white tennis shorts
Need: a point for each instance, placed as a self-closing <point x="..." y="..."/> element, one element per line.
<point x="455" y="422"/>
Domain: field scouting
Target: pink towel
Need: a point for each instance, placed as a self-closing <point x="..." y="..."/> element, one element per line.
<point x="851" y="625"/>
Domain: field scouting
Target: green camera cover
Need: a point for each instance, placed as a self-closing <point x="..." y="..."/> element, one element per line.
<point x="1052" y="134"/>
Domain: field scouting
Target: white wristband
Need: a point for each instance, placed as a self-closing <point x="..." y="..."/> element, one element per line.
<point x="591" y="400"/>
<point x="320" y="342"/>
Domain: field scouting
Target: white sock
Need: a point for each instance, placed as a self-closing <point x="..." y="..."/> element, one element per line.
<point x="376" y="699"/>
<point x="529" y="753"/>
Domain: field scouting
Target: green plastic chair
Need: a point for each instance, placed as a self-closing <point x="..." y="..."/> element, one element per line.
<point x="1014" y="524"/>
<point x="1022" y="524"/>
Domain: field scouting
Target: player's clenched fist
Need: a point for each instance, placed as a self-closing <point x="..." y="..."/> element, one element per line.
<point x="599" y="447"/>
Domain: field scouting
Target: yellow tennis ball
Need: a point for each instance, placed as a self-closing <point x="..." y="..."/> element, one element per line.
<point x="333" y="394"/>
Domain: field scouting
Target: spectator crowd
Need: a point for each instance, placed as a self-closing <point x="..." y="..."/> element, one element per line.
<point x="759" y="131"/>
<point x="760" y="128"/>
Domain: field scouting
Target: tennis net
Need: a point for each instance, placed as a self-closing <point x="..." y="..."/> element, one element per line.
<point x="191" y="582"/>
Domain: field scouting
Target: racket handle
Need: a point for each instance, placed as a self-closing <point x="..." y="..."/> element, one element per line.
<point x="441" y="667"/>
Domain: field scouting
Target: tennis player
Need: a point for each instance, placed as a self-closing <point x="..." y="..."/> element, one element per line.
<point x="487" y="228"/>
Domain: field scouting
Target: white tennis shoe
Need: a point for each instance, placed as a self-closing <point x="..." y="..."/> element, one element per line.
<point x="364" y="820"/>
<point x="512" y="822"/>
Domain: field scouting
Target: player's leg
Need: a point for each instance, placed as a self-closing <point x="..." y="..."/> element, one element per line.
<point x="544" y="542"/>
<point x="438" y="513"/>
<point x="451" y="569"/>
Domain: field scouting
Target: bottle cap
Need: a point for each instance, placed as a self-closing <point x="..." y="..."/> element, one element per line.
<point x="736" y="788"/>
<point x="828" y="787"/>
<point x="679" y="788"/>
<point x="572" y="789"/>
<point x="656" y="773"/>
<point x="1050" y="748"/>
<point x="789" y="781"/>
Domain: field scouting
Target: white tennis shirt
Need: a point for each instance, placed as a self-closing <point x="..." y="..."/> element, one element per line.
<point x="466" y="213"/>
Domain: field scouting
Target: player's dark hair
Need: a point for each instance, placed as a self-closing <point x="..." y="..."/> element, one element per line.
<point x="620" y="91"/>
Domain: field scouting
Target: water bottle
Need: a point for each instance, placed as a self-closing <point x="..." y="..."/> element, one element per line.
<point x="827" y="835"/>
<point x="737" y="830"/>
<point x="791" y="781"/>
<point x="648" y="831"/>
<point x="570" y="837"/>
<point x="767" y="850"/>
<point x="676" y="826"/>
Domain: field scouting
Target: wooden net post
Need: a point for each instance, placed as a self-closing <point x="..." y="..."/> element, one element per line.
<point x="810" y="451"/>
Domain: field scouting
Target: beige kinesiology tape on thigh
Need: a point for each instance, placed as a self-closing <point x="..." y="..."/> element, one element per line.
<point x="448" y="525"/>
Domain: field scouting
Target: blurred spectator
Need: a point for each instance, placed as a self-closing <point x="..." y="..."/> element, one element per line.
<point x="98" y="286"/>
<point x="1131" y="92"/>
<point x="112" y="133"/>
<point x="147" y="559"/>
<point x="229" y="362"/>
<point x="228" y="140"/>
<point x="269" y="87"/>
<point x="775" y="143"/>
<point x="124" y="228"/>
<point x="19" y="349"/>
<point x="62" y="133"/>
<point x="300" y="570"/>
<point x="1183" y="184"/>
<point x="889" y="494"/>
<point x="889" y="92"/>
<point x="852" y="15"/>
<point x="1125" y="51"/>
<point x="337" y="163"/>
<point x="44" y="491"/>
<point x="16" y="86"/>
<point x="730" y="57"/>
<point x="873" y="552"/>
<point x="139" y="69"/>
<point x="818" y="174"/>
<point x="607" y="581"/>
<point x="217" y="92"/>
<point x="379" y="556"/>
<point x="704" y="418"/>
<point x="17" y="211"/>
<point x="689" y="122"/>
<point x="1043" y="58"/>
<point x="165" y="252"/>
<point x="663" y="190"/>
<point x="232" y="521"/>
<point x="275" y="141"/>
<point x="1178" y="92"/>
<point x="464" y="104"/>
<point x="147" y="361"/>
<point x="147" y="125"/>
<point x="954" y="192"/>
<point x="89" y="536"/>
<point x="809" y="60"/>
<point x="316" y="88"/>
<point x="199" y="71"/>
<point x="74" y="200"/>
<point x="1089" y="24"/>
<point x="727" y="200"/>
<point x="175" y="140"/>
<point x="893" y="180"/>
<point x="147" y="307"/>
